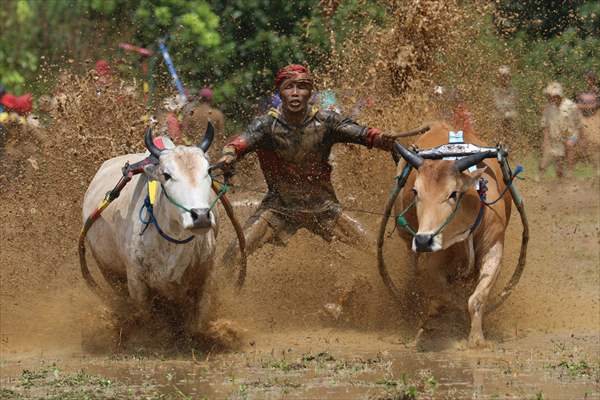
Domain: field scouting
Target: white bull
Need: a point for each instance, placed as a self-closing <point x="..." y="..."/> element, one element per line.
<point x="139" y="266"/>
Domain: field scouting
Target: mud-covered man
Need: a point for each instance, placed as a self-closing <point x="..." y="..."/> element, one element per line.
<point x="293" y="144"/>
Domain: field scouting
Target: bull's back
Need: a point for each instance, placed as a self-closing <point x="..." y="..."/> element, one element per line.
<point x="110" y="234"/>
<point x="105" y="179"/>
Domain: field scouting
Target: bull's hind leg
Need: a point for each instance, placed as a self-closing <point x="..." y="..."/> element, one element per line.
<point x="490" y="267"/>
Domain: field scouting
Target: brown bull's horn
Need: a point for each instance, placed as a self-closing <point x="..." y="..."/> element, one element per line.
<point x="469" y="161"/>
<point x="209" y="135"/>
<point x="411" y="157"/>
<point x="155" y="151"/>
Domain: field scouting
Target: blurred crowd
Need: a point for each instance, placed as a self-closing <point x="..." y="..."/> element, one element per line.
<point x="571" y="127"/>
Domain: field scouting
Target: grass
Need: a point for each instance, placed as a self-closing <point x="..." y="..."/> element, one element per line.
<point x="424" y="385"/>
<point x="531" y="164"/>
<point x="575" y="368"/>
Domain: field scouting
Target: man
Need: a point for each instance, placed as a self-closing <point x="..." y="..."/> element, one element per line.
<point x="104" y="76"/>
<point x="588" y="101"/>
<point x="505" y="100"/>
<point x="561" y="122"/>
<point x="293" y="144"/>
<point x="167" y="119"/>
<point x="195" y="117"/>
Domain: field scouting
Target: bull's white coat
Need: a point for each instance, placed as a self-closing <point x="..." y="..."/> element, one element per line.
<point x="148" y="265"/>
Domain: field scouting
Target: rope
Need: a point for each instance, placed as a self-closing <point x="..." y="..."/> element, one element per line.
<point x="221" y="193"/>
<point x="152" y="220"/>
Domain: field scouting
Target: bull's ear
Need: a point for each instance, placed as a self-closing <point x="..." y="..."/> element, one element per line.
<point x="470" y="178"/>
<point x="152" y="171"/>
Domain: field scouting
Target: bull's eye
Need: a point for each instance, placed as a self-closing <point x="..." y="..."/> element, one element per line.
<point x="166" y="176"/>
<point x="453" y="196"/>
<point x="415" y="191"/>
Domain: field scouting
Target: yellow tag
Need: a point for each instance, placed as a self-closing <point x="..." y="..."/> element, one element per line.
<point x="152" y="190"/>
<point x="3" y="117"/>
<point x="146" y="87"/>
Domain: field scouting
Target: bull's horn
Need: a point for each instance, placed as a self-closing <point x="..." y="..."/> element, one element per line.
<point x="412" y="158"/>
<point x="474" y="159"/>
<point x="155" y="151"/>
<point x="209" y="135"/>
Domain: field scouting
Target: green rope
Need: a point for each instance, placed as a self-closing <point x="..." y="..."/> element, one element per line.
<point x="450" y="217"/>
<point x="224" y="189"/>
<point x="402" y="221"/>
<point x="176" y="204"/>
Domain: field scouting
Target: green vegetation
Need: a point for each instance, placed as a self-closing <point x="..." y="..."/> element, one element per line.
<point x="576" y="368"/>
<point x="542" y="41"/>
<point x="235" y="46"/>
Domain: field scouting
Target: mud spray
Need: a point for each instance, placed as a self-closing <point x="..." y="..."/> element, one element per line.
<point x="310" y="285"/>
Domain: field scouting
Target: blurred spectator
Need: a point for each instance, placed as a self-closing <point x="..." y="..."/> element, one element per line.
<point x="505" y="100"/>
<point x="462" y="118"/>
<point x="197" y="113"/>
<point x="18" y="104"/>
<point x="327" y="100"/>
<point x="168" y="121"/>
<point x="104" y="73"/>
<point x="588" y="101"/>
<point x="561" y="122"/>
<point x="361" y="105"/>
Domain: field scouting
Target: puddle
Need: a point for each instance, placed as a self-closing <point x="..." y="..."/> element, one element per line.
<point x="544" y="368"/>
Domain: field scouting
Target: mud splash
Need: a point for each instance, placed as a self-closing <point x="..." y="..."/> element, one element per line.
<point x="314" y="319"/>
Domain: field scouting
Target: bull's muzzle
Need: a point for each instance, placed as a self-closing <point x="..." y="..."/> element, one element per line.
<point x="201" y="218"/>
<point x="423" y="242"/>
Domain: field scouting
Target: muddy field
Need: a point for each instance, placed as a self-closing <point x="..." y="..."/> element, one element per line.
<point x="313" y="320"/>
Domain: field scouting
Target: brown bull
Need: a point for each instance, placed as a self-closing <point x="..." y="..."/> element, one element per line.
<point x="446" y="210"/>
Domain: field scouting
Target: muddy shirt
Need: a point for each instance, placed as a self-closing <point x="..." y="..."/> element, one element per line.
<point x="294" y="160"/>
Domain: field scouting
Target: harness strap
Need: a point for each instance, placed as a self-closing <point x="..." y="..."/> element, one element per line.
<point x="403" y="222"/>
<point x="152" y="220"/>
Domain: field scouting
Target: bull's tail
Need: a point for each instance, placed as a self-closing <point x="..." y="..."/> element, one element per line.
<point x="516" y="276"/>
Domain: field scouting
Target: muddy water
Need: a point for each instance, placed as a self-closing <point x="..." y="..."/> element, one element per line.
<point x="323" y="366"/>
<point x="544" y="342"/>
<point x="282" y="338"/>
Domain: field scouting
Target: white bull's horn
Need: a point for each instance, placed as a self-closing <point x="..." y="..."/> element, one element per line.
<point x="155" y="151"/>
<point x="209" y="135"/>
<point x="469" y="161"/>
<point x="412" y="158"/>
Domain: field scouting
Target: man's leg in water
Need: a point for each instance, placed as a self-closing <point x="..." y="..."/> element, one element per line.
<point x="259" y="229"/>
<point x="346" y="229"/>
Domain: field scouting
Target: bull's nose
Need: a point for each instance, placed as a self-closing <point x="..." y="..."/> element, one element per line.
<point x="201" y="217"/>
<point x="423" y="242"/>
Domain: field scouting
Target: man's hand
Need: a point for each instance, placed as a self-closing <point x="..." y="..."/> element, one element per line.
<point x="227" y="160"/>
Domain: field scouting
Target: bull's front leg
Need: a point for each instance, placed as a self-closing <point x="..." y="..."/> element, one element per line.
<point x="490" y="267"/>
<point x="139" y="292"/>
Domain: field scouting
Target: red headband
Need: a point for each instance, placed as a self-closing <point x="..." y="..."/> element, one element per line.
<point x="293" y="71"/>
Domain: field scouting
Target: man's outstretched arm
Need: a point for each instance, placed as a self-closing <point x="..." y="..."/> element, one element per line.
<point x="246" y="142"/>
